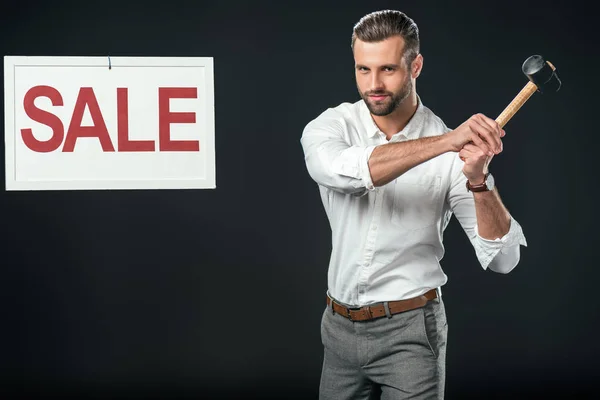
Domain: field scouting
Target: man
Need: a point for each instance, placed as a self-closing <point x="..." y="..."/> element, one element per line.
<point x="390" y="175"/>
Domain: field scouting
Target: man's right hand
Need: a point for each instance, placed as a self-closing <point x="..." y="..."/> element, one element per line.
<point x="480" y="130"/>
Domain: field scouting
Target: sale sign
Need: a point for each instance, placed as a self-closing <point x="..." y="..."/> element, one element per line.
<point x="109" y="123"/>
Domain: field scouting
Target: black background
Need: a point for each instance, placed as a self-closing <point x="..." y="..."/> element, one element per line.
<point x="219" y="293"/>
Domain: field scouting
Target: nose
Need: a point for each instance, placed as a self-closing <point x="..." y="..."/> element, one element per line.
<point x="376" y="82"/>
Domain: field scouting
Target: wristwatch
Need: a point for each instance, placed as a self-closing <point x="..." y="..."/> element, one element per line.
<point x="487" y="185"/>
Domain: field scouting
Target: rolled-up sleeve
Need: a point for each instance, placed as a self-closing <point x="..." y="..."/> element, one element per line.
<point x="499" y="255"/>
<point x="502" y="254"/>
<point x="332" y="161"/>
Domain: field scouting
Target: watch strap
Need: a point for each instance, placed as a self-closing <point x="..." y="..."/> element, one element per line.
<point x="482" y="187"/>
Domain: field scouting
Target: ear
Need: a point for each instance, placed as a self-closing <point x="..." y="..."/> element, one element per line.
<point x="417" y="66"/>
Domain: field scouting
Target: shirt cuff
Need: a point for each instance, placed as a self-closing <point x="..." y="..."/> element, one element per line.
<point x="365" y="172"/>
<point x="489" y="249"/>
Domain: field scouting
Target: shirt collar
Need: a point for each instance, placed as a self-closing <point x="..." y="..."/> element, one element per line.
<point x="412" y="130"/>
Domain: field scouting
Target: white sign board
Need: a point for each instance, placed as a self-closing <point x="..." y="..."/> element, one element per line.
<point x="109" y="123"/>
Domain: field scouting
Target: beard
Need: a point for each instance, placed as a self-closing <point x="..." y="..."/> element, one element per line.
<point x="386" y="106"/>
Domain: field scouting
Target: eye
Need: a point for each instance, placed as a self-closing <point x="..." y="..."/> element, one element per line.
<point x="363" y="69"/>
<point x="389" y="69"/>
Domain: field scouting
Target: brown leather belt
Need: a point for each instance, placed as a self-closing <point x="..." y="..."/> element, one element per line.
<point x="377" y="310"/>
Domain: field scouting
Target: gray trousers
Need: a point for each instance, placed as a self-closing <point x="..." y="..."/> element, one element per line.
<point x="402" y="357"/>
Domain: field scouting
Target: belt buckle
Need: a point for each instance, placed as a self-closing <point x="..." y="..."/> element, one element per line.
<point x="367" y="310"/>
<point x="350" y="312"/>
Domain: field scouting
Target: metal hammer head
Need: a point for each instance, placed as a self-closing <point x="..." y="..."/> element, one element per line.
<point x="541" y="73"/>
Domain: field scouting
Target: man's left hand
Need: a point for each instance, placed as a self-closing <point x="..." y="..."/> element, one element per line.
<point x="476" y="163"/>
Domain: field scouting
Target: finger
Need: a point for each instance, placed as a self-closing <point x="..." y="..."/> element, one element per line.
<point x="485" y="152"/>
<point x="467" y="160"/>
<point x="477" y="152"/>
<point x="477" y="139"/>
<point x="467" y="154"/>
<point x="488" y="132"/>
<point x="470" y="147"/>
<point x="485" y="133"/>
<point x="491" y="123"/>
<point x="473" y="154"/>
<point x="495" y="132"/>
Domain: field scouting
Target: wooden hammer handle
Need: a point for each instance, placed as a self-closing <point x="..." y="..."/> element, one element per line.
<point x="517" y="102"/>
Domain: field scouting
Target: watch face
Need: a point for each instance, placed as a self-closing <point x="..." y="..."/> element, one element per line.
<point x="490" y="182"/>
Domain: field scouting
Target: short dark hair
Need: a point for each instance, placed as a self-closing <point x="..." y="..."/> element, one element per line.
<point x="380" y="25"/>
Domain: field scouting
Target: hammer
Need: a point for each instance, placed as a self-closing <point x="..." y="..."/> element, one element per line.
<point x="542" y="77"/>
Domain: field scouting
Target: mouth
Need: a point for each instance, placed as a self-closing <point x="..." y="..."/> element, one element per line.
<point x="378" y="97"/>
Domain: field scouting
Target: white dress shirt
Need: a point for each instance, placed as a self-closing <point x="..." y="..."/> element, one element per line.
<point x="387" y="240"/>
